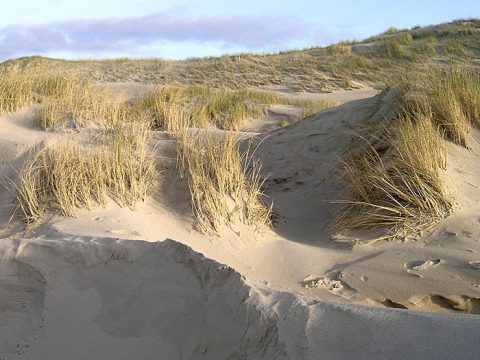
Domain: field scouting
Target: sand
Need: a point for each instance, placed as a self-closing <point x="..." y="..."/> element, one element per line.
<point x="109" y="284"/>
<point x="94" y="298"/>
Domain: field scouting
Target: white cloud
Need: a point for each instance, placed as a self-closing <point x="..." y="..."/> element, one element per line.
<point x="134" y="35"/>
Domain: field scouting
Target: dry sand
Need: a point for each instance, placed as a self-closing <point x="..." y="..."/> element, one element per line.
<point x="100" y="298"/>
<point x="108" y="285"/>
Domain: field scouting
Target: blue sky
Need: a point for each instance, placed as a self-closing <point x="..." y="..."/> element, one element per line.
<point x="184" y="28"/>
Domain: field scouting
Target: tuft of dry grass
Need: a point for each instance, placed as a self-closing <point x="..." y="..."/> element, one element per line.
<point x="451" y="96"/>
<point x="394" y="180"/>
<point x="225" y="185"/>
<point x="19" y="88"/>
<point x="400" y="190"/>
<point x="72" y="176"/>
<point x="85" y="104"/>
<point x="426" y="46"/>
<point x="339" y="48"/>
<point x="67" y="100"/>
<point x="394" y="45"/>
<point x="284" y="122"/>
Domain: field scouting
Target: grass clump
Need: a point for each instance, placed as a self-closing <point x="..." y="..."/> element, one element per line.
<point x="400" y="190"/>
<point x="394" y="45"/>
<point x="225" y="184"/>
<point x="70" y="176"/>
<point x="20" y="88"/>
<point x="67" y="100"/>
<point x="426" y="46"/>
<point x="394" y="180"/>
<point x="451" y="96"/>
<point x="85" y="104"/>
<point x="206" y="107"/>
<point x="339" y="49"/>
<point x="229" y="110"/>
<point x="15" y="92"/>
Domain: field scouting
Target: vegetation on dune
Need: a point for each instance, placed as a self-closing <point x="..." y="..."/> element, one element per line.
<point x="72" y="176"/>
<point x="219" y="108"/>
<point x="393" y="180"/>
<point x="86" y="104"/>
<point x="116" y="165"/>
<point x="310" y="106"/>
<point x="207" y="106"/>
<point x="395" y="45"/>
<point x="67" y="99"/>
<point x="451" y="97"/>
<point x="401" y="189"/>
<point x="19" y="88"/>
<point x="314" y="69"/>
<point x="225" y="183"/>
<point x="283" y="122"/>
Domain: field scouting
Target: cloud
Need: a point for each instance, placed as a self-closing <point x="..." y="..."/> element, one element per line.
<point x="135" y="34"/>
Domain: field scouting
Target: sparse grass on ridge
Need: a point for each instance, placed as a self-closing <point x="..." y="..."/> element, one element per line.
<point x="219" y="108"/>
<point x="207" y="106"/>
<point x="310" y="107"/>
<point x="315" y="69"/>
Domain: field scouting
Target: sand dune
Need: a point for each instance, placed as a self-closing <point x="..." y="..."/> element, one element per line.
<point x="108" y="285"/>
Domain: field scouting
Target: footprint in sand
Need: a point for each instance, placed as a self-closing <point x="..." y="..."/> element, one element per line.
<point x="475" y="264"/>
<point x="331" y="281"/>
<point x="422" y="264"/>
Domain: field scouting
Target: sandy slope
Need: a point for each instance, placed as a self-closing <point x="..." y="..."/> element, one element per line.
<point x="270" y="121"/>
<point x="101" y="298"/>
<point x="106" y="299"/>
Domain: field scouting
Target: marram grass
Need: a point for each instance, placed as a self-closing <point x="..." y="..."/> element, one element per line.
<point x="398" y="186"/>
<point x="71" y="176"/>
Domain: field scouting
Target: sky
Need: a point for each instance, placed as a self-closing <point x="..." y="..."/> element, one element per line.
<point x="177" y="29"/>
